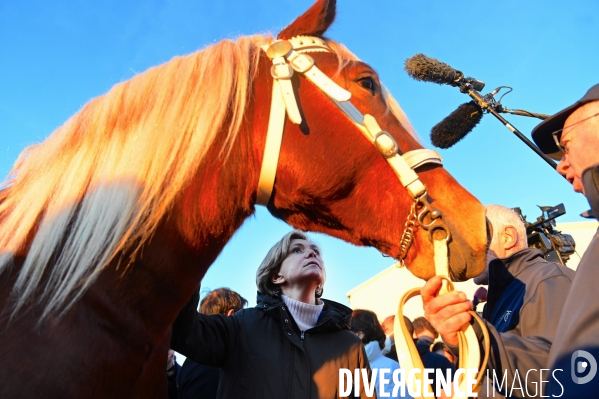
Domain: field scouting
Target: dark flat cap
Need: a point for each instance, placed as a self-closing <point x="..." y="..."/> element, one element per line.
<point x="541" y="134"/>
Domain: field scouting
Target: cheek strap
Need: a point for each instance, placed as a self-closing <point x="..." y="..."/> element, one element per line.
<point x="288" y="57"/>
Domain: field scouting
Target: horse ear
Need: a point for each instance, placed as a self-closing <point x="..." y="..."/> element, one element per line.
<point x="313" y="22"/>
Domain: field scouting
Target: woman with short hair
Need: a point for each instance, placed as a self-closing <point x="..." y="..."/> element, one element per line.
<point x="291" y="345"/>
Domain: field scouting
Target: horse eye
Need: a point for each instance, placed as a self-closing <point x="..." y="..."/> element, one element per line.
<point x="367" y="83"/>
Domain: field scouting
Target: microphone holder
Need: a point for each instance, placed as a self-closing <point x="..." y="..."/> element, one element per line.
<point x="521" y="112"/>
<point x="488" y="104"/>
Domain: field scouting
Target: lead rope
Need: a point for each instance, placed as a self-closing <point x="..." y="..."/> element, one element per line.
<point x="469" y="350"/>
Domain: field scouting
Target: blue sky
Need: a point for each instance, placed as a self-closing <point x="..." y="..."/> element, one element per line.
<point x="56" y="56"/>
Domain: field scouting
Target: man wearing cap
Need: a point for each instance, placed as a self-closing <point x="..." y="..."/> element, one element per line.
<point x="572" y="135"/>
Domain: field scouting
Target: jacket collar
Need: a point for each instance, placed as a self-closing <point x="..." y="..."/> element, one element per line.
<point x="502" y="269"/>
<point x="423" y="346"/>
<point x="334" y="316"/>
<point x="590" y="182"/>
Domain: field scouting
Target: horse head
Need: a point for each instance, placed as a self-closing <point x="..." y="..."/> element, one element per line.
<point x="330" y="179"/>
<point x="107" y="227"/>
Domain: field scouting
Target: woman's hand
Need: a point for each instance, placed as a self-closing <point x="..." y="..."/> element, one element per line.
<point x="448" y="313"/>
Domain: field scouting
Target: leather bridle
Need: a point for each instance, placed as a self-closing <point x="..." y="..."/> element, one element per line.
<point x="289" y="57"/>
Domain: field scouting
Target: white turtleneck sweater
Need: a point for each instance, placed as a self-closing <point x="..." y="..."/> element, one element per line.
<point x="304" y="314"/>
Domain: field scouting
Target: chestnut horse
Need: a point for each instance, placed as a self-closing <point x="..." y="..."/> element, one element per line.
<point x="108" y="226"/>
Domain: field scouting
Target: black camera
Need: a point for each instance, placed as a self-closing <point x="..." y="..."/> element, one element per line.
<point x="556" y="247"/>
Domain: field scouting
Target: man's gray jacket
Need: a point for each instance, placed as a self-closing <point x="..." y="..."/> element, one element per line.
<point x="575" y="351"/>
<point x="524" y="302"/>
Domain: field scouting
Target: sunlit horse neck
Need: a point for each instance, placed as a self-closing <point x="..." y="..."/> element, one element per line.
<point x="120" y="164"/>
<point x="102" y="183"/>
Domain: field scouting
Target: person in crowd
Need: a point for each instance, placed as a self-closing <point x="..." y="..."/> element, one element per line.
<point x="424" y="331"/>
<point x="524" y="302"/>
<point x="173" y="370"/>
<point x="430" y="360"/>
<point x="572" y="135"/>
<point x="291" y="345"/>
<point x="425" y="335"/>
<point x="365" y="325"/>
<point x="198" y="380"/>
<point x="480" y="295"/>
<point x="388" y="328"/>
<point x="388" y="325"/>
<point x="442" y="349"/>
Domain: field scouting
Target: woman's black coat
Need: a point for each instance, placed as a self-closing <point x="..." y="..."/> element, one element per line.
<point x="263" y="354"/>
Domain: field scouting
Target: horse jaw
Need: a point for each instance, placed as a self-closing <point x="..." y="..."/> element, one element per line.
<point x="467" y="249"/>
<point x="464" y="217"/>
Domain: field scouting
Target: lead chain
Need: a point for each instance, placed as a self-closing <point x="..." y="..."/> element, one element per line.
<point x="408" y="234"/>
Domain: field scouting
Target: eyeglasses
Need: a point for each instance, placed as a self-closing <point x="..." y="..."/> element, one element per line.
<point x="557" y="135"/>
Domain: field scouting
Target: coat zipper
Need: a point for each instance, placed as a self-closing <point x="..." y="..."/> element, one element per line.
<point x="302" y="335"/>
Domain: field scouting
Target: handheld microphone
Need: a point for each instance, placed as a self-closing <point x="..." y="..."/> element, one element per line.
<point x="421" y="67"/>
<point x="457" y="125"/>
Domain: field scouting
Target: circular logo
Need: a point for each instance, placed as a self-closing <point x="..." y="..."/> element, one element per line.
<point x="579" y="366"/>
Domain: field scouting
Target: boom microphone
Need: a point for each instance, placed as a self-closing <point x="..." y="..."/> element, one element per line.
<point x="457" y="125"/>
<point x="421" y="67"/>
<point x="461" y="121"/>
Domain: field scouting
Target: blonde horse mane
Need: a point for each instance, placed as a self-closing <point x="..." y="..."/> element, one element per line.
<point x="100" y="184"/>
